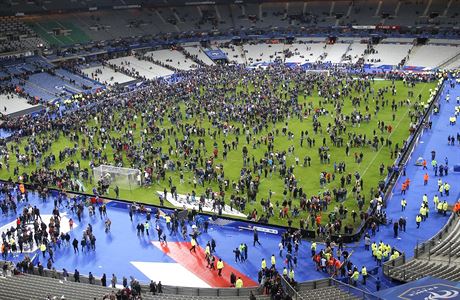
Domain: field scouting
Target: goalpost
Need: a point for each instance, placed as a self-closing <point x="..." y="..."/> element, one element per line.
<point x="117" y="176"/>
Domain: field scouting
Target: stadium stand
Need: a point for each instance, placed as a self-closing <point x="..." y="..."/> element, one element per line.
<point x="13" y="105"/>
<point x="172" y="58"/>
<point x="234" y="53"/>
<point x="106" y="75"/>
<point x="140" y="68"/>
<point x="50" y="283"/>
<point x="198" y="55"/>
<point x="437" y="257"/>
<point x="387" y="54"/>
<point x="422" y="55"/>
<point x="17" y="36"/>
<point x="258" y="53"/>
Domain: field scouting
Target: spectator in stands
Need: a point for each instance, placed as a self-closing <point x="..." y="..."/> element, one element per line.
<point x="153" y="287"/>
<point x="76" y="276"/>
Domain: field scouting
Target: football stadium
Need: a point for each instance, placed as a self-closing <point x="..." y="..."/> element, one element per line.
<point x="229" y="150"/>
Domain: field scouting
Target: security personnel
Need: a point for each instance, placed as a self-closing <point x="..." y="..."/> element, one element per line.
<point x="43" y="249"/>
<point x="446" y="188"/>
<point x="403" y="204"/>
<point x="147" y="227"/>
<point x="285" y="272"/>
<point x="423" y="212"/>
<point x="445" y="206"/>
<point x="239" y="283"/>
<point x="374" y="250"/>
<point x="168" y="222"/>
<point x="313" y="249"/>
<point x="273" y="260"/>
<point x="435" y="200"/>
<point x="385" y="254"/>
<point x="439" y="207"/>
<point x="364" y="274"/>
<point x="220" y="266"/>
<point x="418" y="219"/>
<point x="379" y="257"/>
<point x="263" y="265"/>
<point x="355" y="277"/>
<point x="425" y="198"/>
<point x="207" y="251"/>
<point x="291" y="275"/>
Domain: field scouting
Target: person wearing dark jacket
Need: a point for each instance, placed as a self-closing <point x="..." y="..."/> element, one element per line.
<point x="232" y="279"/>
<point x="76" y="276"/>
<point x="153" y="287"/>
<point x="104" y="280"/>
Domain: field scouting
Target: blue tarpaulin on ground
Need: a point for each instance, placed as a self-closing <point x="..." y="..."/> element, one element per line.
<point x="216" y="54"/>
<point x="427" y="288"/>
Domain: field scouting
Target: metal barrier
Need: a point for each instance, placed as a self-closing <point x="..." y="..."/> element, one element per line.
<point x="352" y="290"/>
<point x="425" y="247"/>
<point x="289" y="289"/>
<point x="389" y="265"/>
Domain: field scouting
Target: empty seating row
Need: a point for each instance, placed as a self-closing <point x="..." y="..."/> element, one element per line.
<point x="417" y="268"/>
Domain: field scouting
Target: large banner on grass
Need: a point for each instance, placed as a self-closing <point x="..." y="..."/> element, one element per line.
<point x="216" y="54"/>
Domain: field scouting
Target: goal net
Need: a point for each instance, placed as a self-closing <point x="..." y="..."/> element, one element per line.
<point x="117" y="176"/>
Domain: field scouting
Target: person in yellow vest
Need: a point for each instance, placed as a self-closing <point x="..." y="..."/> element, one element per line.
<point x="273" y="260"/>
<point x="379" y="257"/>
<point x="423" y="212"/>
<point x="193" y="243"/>
<point x="364" y="274"/>
<point x="285" y="272"/>
<point x="439" y="207"/>
<point x="355" y="277"/>
<point x="385" y="255"/>
<point x="392" y="256"/>
<point x="445" y="206"/>
<point x="447" y="188"/>
<point x="43" y="249"/>
<point x="168" y="222"/>
<point x="313" y="249"/>
<point x="418" y="219"/>
<point x="220" y="266"/>
<point x="263" y="265"/>
<point x="435" y="200"/>
<point x="441" y="190"/>
<point x="239" y="283"/>
<point x="403" y="204"/>
<point x="425" y="198"/>
<point x="207" y="250"/>
<point x="388" y="248"/>
<point x="291" y="275"/>
<point x="374" y="250"/>
<point x="396" y="254"/>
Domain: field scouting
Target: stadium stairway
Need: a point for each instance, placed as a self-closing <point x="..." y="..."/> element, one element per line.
<point x="25" y="287"/>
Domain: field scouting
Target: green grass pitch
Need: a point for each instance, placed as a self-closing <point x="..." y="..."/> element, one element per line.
<point x="308" y="177"/>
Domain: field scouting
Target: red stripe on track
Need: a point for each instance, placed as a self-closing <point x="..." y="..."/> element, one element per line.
<point x="196" y="263"/>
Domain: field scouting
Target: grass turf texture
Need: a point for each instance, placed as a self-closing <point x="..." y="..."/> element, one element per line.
<point x="308" y="177"/>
